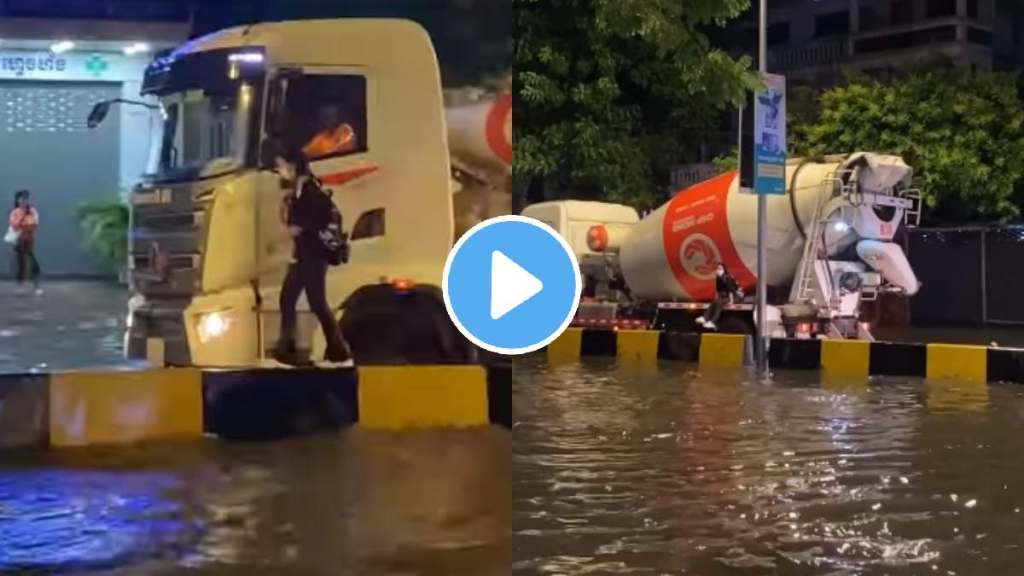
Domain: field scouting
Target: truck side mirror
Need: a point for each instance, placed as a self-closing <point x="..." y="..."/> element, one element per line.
<point x="98" y="114"/>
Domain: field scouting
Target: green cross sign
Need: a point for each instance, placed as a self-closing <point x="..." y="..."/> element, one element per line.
<point x="96" y="65"/>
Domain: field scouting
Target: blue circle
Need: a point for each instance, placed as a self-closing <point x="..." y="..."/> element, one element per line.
<point x="538" y="250"/>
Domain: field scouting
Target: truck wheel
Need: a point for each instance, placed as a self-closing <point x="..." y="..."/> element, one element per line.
<point x="385" y="325"/>
<point x="735" y="325"/>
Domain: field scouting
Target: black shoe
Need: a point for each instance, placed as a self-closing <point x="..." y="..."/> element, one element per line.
<point x="339" y="356"/>
<point x="339" y="351"/>
<point x="288" y="355"/>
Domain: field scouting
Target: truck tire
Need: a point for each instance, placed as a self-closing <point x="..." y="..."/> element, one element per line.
<point x="388" y="326"/>
<point x="735" y="324"/>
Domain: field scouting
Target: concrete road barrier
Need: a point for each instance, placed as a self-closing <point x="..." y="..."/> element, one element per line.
<point x="718" y="350"/>
<point x="84" y="408"/>
<point x="842" y="358"/>
<point x="119" y="407"/>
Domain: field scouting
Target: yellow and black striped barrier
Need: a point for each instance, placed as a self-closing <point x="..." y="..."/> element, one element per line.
<point x="115" y="407"/>
<point x="848" y="358"/>
<point x="713" y="350"/>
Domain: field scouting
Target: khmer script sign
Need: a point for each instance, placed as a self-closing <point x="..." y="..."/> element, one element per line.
<point x="73" y="66"/>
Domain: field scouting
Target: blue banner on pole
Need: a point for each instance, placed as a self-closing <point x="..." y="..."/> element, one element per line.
<point x="770" y="136"/>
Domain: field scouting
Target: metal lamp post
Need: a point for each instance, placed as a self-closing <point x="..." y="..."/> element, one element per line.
<point x="761" y="355"/>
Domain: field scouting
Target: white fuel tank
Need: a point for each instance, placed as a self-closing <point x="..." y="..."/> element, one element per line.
<point x="672" y="253"/>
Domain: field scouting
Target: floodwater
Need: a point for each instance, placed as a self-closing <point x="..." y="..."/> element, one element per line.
<point x="635" y="470"/>
<point x="429" y="503"/>
<point x="359" y="503"/>
<point x="73" y="325"/>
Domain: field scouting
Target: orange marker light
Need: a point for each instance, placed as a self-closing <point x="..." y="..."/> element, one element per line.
<point x="597" y="238"/>
<point x="403" y="284"/>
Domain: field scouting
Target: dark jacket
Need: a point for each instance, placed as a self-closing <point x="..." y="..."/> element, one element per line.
<point x="725" y="285"/>
<point x="311" y="211"/>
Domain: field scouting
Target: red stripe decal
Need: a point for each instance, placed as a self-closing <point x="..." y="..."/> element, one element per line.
<point x="342" y="178"/>
<point x="499" y="132"/>
<point x="696" y="238"/>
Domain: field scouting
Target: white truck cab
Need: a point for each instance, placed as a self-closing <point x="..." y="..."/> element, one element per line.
<point x="208" y="252"/>
<point x="573" y="220"/>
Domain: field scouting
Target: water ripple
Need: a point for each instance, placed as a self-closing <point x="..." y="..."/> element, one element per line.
<point x="621" y="470"/>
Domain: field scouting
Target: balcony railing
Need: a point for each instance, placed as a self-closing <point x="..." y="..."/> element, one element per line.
<point x="687" y="175"/>
<point x="821" y="53"/>
<point x="921" y="33"/>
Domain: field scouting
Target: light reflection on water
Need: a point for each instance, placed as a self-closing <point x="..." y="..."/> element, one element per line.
<point x="74" y="325"/>
<point x="431" y="503"/>
<point x="626" y="471"/>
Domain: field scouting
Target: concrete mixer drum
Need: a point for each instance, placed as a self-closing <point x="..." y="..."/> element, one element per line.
<point x="830" y="246"/>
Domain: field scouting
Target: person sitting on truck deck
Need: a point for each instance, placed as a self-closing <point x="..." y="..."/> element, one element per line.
<point x="726" y="287"/>
<point x="307" y="213"/>
<point x="333" y="137"/>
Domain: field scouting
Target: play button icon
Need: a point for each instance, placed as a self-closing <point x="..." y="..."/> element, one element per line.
<point x="511" y="285"/>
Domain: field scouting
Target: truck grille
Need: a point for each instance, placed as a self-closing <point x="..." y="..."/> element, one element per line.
<point x="166" y="245"/>
<point x="168" y="227"/>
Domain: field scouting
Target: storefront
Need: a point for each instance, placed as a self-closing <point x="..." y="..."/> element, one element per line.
<point x="47" y="89"/>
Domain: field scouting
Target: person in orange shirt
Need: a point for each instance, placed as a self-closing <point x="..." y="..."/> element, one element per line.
<point x="24" y="222"/>
<point x="334" y="136"/>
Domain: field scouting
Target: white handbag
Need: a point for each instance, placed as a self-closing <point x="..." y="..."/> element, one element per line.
<point x="12" y="236"/>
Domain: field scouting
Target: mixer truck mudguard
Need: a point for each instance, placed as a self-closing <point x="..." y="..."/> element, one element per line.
<point x="207" y="252"/>
<point x="830" y="248"/>
<point x="399" y="324"/>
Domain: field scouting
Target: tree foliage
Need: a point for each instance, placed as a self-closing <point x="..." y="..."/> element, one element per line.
<point x="727" y="162"/>
<point x="105" y="226"/>
<point x="962" y="131"/>
<point x="607" y="91"/>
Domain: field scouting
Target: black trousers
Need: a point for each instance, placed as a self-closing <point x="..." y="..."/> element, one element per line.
<point x="25" y="258"/>
<point x="310" y="276"/>
<point x="714" y="311"/>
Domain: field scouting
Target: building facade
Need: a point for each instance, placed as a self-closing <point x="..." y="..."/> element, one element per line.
<point x="52" y="72"/>
<point x="816" y="41"/>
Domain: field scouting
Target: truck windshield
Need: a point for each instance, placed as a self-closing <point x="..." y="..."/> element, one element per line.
<point x="209" y="114"/>
<point x="202" y="134"/>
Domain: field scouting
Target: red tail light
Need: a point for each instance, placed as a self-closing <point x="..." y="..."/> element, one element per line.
<point x="803" y="329"/>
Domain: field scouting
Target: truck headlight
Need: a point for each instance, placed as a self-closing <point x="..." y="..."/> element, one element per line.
<point x="213" y="325"/>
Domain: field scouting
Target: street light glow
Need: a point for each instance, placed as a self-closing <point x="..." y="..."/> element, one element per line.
<point x="62" y="47"/>
<point x="136" y="48"/>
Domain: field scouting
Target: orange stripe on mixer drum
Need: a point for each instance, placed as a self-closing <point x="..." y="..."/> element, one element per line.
<point x="499" y="128"/>
<point x="695" y="233"/>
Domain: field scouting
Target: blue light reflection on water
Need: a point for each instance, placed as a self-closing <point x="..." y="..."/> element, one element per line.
<point x="73" y="519"/>
<point x="431" y="503"/>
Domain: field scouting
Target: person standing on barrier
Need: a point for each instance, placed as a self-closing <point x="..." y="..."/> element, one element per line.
<point x="306" y="211"/>
<point x="726" y="289"/>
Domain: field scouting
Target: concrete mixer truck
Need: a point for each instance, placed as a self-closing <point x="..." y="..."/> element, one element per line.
<point x="830" y="248"/>
<point x="207" y="250"/>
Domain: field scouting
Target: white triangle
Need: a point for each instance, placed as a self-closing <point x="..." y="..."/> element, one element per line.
<point x="511" y="285"/>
